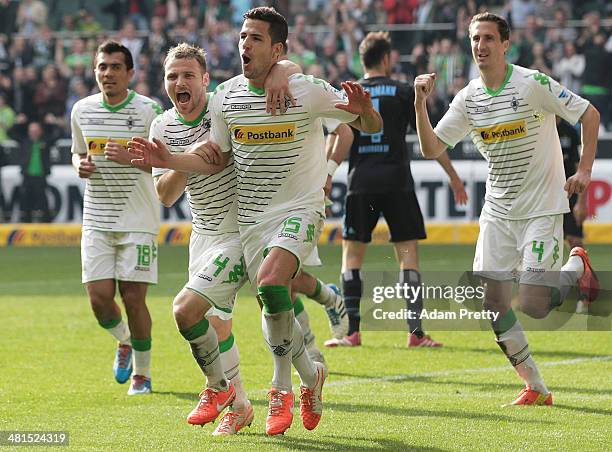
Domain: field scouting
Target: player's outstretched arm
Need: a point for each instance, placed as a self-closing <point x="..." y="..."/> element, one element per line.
<point x="156" y="154"/>
<point x="360" y="103"/>
<point x="455" y="182"/>
<point x="590" y="129"/>
<point x="277" y="86"/>
<point x="431" y="145"/>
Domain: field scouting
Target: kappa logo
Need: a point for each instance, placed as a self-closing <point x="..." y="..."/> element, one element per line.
<point x="240" y="106"/>
<point x="264" y="134"/>
<point x="503" y="132"/>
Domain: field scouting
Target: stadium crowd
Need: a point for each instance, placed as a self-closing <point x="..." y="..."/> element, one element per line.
<point x="46" y="55"/>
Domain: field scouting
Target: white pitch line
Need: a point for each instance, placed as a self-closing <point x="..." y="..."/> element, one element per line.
<point x="446" y="373"/>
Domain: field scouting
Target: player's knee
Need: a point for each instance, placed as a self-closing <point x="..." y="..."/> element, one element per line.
<point x="222" y="327"/>
<point x="133" y="295"/>
<point x="535" y="301"/>
<point x="186" y="310"/>
<point x="533" y="309"/>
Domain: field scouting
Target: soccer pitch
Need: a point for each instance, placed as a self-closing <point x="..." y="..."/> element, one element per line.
<point x="55" y="372"/>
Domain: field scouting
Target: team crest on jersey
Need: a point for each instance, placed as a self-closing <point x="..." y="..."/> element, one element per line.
<point x="206" y="124"/>
<point x="514" y="103"/>
<point x="265" y="134"/>
<point x="130" y="123"/>
<point x="503" y="132"/>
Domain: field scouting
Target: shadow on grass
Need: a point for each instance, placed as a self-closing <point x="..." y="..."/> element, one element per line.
<point x="583" y="409"/>
<point x="413" y="412"/>
<point x="179" y="395"/>
<point x="335" y="442"/>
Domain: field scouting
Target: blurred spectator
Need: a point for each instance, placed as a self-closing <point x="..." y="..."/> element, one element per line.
<point x="134" y="11"/>
<point x="400" y="11"/>
<point x="158" y="41"/>
<point x="21" y="52"/>
<point x="35" y="162"/>
<point x="24" y="88"/>
<point x="8" y="16"/>
<point x="87" y="23"/>
<point x="5" y="58"/>
<point x="568" y="70"/>
<point x="344" y="72"/>
<point x="78" y="89"/>
<point x="220" y="67"/>
<point x="130" y="39"/>
<point x="519" y="11"/>
<point x="7" y="119"/>
<point x="595" y="79"/>
<point x="42" y="47"/>
<point x="50" y="97"/>
<point x="31" y="15"/>
<point x="447" y="63"/>
<point x="540" y="60"/>
<point x="376" y="13"/>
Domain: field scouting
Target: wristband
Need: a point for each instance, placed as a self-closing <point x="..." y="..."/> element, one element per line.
<point x="332" y="166"/>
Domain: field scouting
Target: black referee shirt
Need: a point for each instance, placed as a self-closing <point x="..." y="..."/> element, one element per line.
<point x="380" y="163"/>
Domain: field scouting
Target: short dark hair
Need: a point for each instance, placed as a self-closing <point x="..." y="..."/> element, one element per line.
<point x="374" y="47"/>
<point x="113" y="47"/>
<point x="184" y="51"/>
<point x="502" y="24"/>
<point x="278" y="24"/>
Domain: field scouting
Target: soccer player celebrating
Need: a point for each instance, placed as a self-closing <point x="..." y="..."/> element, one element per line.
<point x="509" y="112"/>
<point x="120" y="210"/>
<point x="281" y="173"/>
<point x="216" y="265"/>
<point x="380" y="181"/>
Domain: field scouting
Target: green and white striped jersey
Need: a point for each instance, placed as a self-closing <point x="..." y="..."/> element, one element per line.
<point x="117" y="197"/>
<point x="212" y="198"/>
<point x="279" y="160"/>
<point x="514" y="129"/>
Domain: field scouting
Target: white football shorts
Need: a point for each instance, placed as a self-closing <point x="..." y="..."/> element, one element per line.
<point x="216" y="271"/>
<point x="296" y="232"/>
<point x="534" y="246"/>
<point x="123" y="256"/>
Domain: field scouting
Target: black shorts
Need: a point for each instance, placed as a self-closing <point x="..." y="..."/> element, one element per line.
<point x="570" y="226"/>
<point x="400" y="209"/>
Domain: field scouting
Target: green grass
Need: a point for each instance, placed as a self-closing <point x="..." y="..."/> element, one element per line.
<point x="55" y="373"/>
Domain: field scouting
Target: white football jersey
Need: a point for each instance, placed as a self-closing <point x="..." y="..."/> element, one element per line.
<point x="515" y="131"/>
<point x="212" y="198"/>
<point x="279" y="160"/>
<point x="117" y="197"/>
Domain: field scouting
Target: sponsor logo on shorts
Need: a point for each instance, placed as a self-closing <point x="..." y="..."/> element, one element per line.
<point x="96" y="145"/>
<point x="289" y="236"/>
<point x="141" y="269"/>
<point x="535" y="270"/>
<point x="266" y="134"/>
<point x="503" y="132"/>
<point x="203" y="276"/>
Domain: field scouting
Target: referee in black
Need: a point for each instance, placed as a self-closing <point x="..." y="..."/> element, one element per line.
<point x="380" y="182"/>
